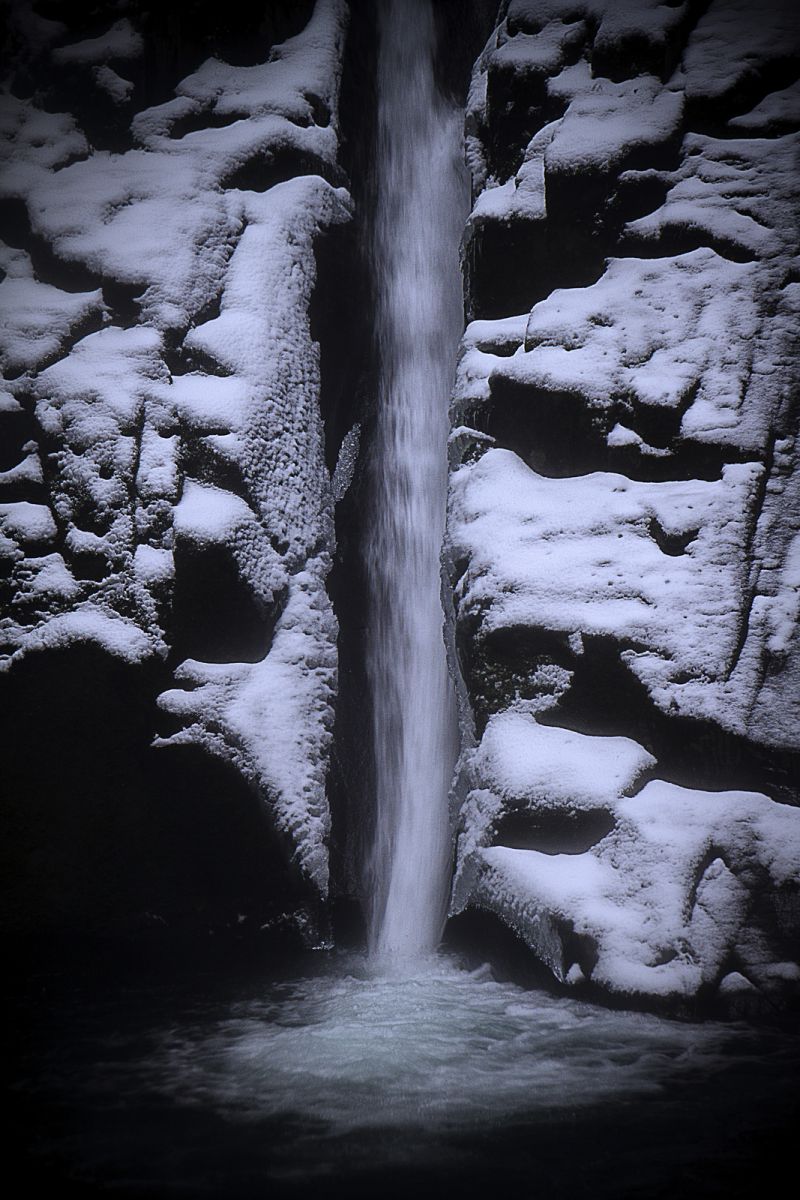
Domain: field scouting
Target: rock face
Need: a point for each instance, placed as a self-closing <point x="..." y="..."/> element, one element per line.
<point x="624" y="499"/>
<point x="167" y="513"/>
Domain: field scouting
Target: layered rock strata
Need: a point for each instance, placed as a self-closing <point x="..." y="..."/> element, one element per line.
<point x="624" y="498"/>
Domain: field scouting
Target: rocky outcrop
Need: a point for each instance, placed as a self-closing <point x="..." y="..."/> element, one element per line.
<point x="624" y="500"/>
<point x="166" y="503"/>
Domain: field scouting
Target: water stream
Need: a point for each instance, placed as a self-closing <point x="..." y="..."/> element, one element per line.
<point x="421" y="202"/>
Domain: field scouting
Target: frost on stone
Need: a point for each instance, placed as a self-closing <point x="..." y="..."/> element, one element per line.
<point x="162" y="395"/>
<point x="622" y="530"/>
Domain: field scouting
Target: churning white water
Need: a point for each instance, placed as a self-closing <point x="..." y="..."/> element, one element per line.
<point x="440" y="1047"/>
<point x="341" y="1081"/>
<point x="420" y="211"/>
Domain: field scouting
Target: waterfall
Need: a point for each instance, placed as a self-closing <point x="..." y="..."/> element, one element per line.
<point x="421" y="206"/>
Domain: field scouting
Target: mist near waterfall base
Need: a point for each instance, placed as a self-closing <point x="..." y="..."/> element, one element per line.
<point x="332" y="1080"/>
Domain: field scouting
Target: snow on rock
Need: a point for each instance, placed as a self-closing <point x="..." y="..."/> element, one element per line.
<point x="646" y="337"/>
<point x="664" y="902"/>
<point x="763" y="39"/>
<point x="120" y="42"/>
<point x="778" y="112"/>
<point x="112" y="84"/>
<point x="300" y="80"/>
<point x="37" y="320"/>
<point x="624" y="495"/>
<point x="25" y="522"/>
<point x="594" y="554"/>
<point x="541" y="771"/>
<point x="523" y="761"/>
<point x="608" y="123"/>
<point x="163" y="392"/>
<point x="734" y="193"/>
<point x="274" y="718"/>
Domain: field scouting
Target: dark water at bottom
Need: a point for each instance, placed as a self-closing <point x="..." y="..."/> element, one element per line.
<point x="337" y="1083"/>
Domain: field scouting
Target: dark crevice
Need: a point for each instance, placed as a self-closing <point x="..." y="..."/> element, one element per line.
<point x="710" y="115"/>
<point x="215" y="615"/>
<point x="198" y="122"/>
<point x="637" y="194"/>
<point x="559" y="434"/>
<point x="675" y="239"/>
<point x="272" y="167"/>
<point x="185" y="360"/>
<point x="201" y="459"/>
<point x="348" y="398"/>
<point x="123" y="299"/>
<point x="511" y="664"/>
<point x="12" y="491"/>
<point x="17" y="428"/>
<point x="555" y="433"/>
<point x="339" y="326"/>
<point x="606" y="698"/>
<point x="673" y="544"/>
<point x="104" y="121"/>
<point x="558" y="832"/>
<point x="88" y="566"/>
<point x="746" y="609"/>
<point x="114" y="829"/>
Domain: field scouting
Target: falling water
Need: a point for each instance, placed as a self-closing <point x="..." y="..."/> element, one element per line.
<point x="420" y="212"/>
